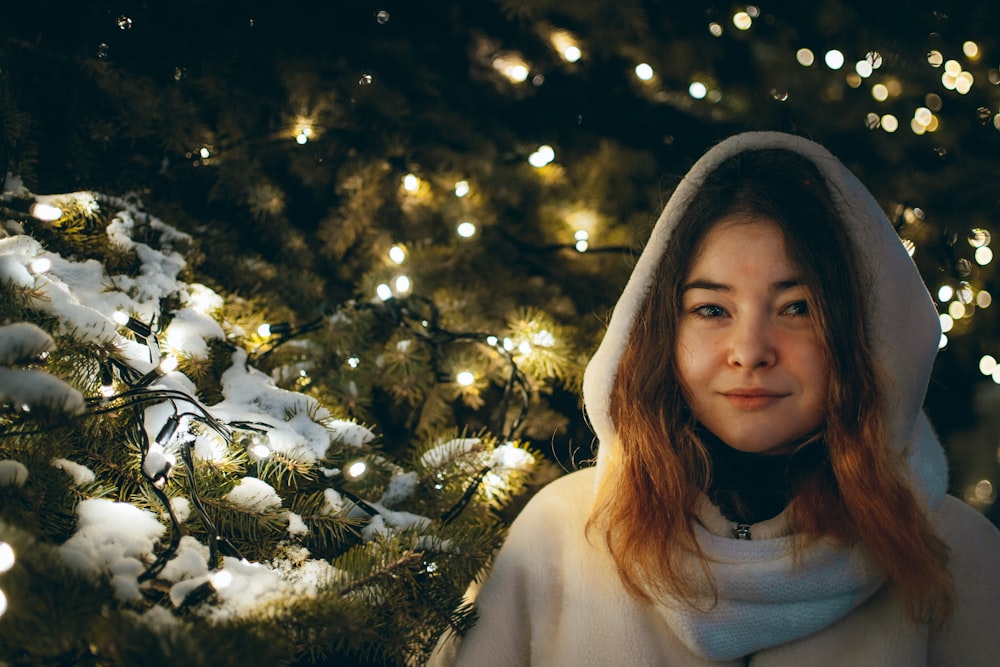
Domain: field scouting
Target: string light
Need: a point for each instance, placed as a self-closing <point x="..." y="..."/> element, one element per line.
<point x="465" y="378"/>
<point x="511" y="66"/>
<point x="220" y="579"/>
<point x="834" y="59"/>
<point x="742" y="20"/>
<point x="397" y="254"/>
<point x="466" y="229"/>
<point x="41" y="265"/>
<point x="461" y="188"/>
<point x="356" y="470"/>
<point x="266" y="330"/>
<point x="566" y="45"/>
<point x="411" y="183"/>
<point x="582" y="237"/>
<point x="403" y="285"/>
<point x="697" y="90"/>
<point x="715" y="29"/>
<point x="889" y="123"/>
<point x="644" y="71"/>
<point x="945" y="292"/>
<point x="541" y="157"/>
<point x="46" y="212"/>
<point x="136" y="326"/>
<point x="987" y="364"/>
<point x="7" y="558"/>
<point x="260" y="450"/>
<point x="805" y="57"/>
<point x="384" y="292"/>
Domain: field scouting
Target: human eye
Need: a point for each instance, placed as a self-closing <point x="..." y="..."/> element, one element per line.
<point x="709" y="311"/>
<point x="797" y="309"/>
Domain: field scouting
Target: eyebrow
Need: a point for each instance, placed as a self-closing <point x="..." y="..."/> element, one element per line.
<point x="779" y="286"/>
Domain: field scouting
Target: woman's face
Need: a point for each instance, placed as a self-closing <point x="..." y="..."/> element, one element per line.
<point x="749" y="352"/>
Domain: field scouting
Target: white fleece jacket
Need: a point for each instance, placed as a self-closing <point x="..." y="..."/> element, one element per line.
<point x="555" y="598"/>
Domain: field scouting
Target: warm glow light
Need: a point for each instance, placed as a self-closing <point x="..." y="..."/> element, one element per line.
<point x="383" y="292"/>
<point x="863" y="68"/>
<point x="943" y="342"/>
<point x="971" y="50"/>
<point x="397" y="255"/>
<point x="3" y="603"/>
<point x="742" y="20"/>
<point x="956" y="309"/>
<point x="805" y="57"/>
<point x="697" y="90"/>
<point x="987" y="364"/>
<point x="945" y="292"/>
<point x="935" y="58"/>
<point x="6" y="557"/>
<point x="984" y="299"/>
<point x="221" y="579"/>
<point x="46" y="212"/>
<point x="512" y="66"/>
<point x="889" y="123"/>
<point x="572" y="53"/>
<point x="465" y="378"/>
<point x="461" y="188"/>
<point x="41" y="265"/>
<point x="541" y="157"/>
<point x="834" y="59"/>
<point x="264" y="330"/>
<point x="644" y="71"/>
<point x="411" y="183"/>
<point x="880" y="92"/>
<point x="978" y="237"/>
<point x="984" y="255"/>
<point x="466" y="229"/>
<point x="356" y="470"/>
<point x="947" y="324"/>
<point x="403" y="285"/>
<point x="715" y="29"/>
<point x="260" y="450"/>
<point x="168" y="364"/>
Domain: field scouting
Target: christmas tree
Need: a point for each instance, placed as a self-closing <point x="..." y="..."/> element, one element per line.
<point x="296" y="299"/>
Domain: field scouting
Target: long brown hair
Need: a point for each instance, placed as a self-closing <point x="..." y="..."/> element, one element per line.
<point x="858" y="493"/>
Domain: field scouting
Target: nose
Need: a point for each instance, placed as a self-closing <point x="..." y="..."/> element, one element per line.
<point x="752" y="344"/>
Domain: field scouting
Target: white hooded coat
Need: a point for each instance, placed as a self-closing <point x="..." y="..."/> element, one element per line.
<point x="555" y="598"/>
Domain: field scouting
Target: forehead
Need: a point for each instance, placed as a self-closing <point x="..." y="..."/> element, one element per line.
<point x="741" y="244"/>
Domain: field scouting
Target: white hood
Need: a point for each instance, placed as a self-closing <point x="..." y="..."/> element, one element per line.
<point x="901" y="318"/>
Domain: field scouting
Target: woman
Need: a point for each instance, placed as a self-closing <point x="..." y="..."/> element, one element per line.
<point x="768" y="490"/>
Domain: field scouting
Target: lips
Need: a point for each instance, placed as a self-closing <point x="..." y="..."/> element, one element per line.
<point x="753" y="398"/>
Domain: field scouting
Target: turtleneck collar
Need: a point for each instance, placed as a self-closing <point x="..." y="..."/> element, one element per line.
<point x="751" y="487"/>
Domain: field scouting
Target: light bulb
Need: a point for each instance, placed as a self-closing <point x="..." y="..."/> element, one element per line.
<point x="46" y="212"/>
<point x="356" y="470"/>
<point x="120" y="317"/>
<point x="168" y="364"/>
<point x="264" y="330"/>
<point x="6" y="557"/>
<point x="221" y="579"/>
<point x="466" y="229"/>
<point x="465" y="378"/>
<point x="644" y="71"/>
<point x="397" y="254"/>
<point x="383" y="292"/>
<point x="41" y="265"/>
<point x="411" y="183"/>
<point x="461" y="188"/>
